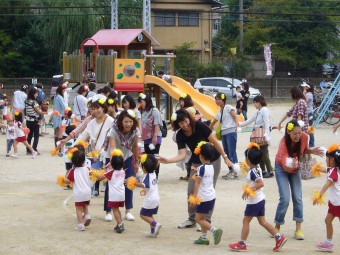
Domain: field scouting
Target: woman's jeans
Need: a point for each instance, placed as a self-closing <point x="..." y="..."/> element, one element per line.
<point x="311" y="136"/>
<point x="244" y="112"/>
<point x="229" y="146"/>
<point x="9" y="144"/>
<point x="34" y="132"/>
<point x="191" y="185"/>
<point x="129" y="171"/>
<point x="288" y="182"/>
<point x="265" y="164"/>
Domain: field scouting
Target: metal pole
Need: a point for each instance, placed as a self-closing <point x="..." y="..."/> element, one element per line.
<point x="114" y="14"/>
<point x="241" y="26"/>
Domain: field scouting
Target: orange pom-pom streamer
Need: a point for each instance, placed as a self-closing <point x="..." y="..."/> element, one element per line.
<point x="319" y="200"/>
<point x="315" y="170"/>
<point x="83" y="143"/>
<point x="194" y="200"/>
<point x="249" y="191"/>
<point x="94" y="175"/>
<point x="54" y="151"/>
<point x="131" y="182"/>
<point x="93" y="154"/>
<point x="61" y="180"/>
<point x="252" y="144"/>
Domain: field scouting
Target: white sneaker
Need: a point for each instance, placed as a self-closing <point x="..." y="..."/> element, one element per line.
<point x="157" y="228"/>
<point x="34" y="154"/>
<point x="199" y="228"/>
<point x="187" y="224"/>
<point x="14" y="155"/>
<point x="80" y="227"/>
<point x="150" y="235"/>
<point x="87" y="220"/>
<point x="129" y="217"/>
<point x="108" y="217"/>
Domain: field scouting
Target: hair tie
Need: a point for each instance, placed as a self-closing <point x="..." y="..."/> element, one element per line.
<point x="131" y="113"/>
<point x="110" y="101"/>
<point x="70" y="154"/>
<point x="253" y="145"/>
<point x="290" y="126"/>
<point x="117" y="152"/>
<point x="143" y="158"/>
<point x="184" y="95"/>
<point x="222" y="96"/>
<point x="333" y="148"/>
<point x="174" y="117"/>
<point x="142" y="95"/>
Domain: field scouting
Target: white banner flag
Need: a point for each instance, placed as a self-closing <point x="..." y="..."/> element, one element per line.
<point x="268" y="58"/>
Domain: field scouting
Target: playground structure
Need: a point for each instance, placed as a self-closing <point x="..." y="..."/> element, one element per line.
<point x="124" y="57"/>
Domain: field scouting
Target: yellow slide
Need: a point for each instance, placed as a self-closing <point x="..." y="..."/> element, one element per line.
<point x="204" y="104"/>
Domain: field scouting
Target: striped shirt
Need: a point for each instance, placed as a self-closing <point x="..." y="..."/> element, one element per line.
<point x="30" y="109"/>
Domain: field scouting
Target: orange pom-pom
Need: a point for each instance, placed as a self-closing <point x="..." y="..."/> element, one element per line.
<point x="311" y="130"/>
<point x="61" y="180"/>
<point x="197" y="151"/>
<point x="249" y="191"/>
<point x="26" y="131"/>
<point x="63" y="127"/>
<point x="93" y="154"/>
<point x="315" y="170"/>
<point x="244" y="167"/>
<point x="131" y="181"/>
<point x="83" y="143"/>
<point x="56" y="113"/>
<point x="252" y="145"/>
<point x="333" y="148"/>
<point x="194" y="200"/>
<point x="54" y="151"/>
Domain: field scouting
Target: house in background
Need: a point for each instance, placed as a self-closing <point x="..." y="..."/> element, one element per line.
<point x="175" y="22"/>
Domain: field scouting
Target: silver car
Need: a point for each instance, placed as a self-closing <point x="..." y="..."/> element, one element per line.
<point x="222" y="84"/>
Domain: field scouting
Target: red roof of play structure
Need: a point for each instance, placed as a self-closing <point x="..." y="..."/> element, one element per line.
<point x="118" y="37"/>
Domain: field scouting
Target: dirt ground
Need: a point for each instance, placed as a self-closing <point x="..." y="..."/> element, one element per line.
<point x="38" y="217"/>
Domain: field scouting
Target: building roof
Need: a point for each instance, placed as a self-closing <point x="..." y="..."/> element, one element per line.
<point x="215" y="3"/>
<point x="119" y="37"/>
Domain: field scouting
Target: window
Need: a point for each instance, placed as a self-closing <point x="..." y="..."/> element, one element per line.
<point x="216" y="24"/>
<point x="165" y="19"/>
<point x="188" y="19"/>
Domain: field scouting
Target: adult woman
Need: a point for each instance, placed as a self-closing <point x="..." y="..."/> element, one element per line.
<point x="95" y="133"/>
<point x="261" y="119"/>
<point x="227" y="117"/>
<point x="151" y="122"/>
<point x="245" y="95"/>
<point x="80" y="104"/>
<point x="129" y="103"/>
<point x="32" y="112"/>
<point x="58" y="105"/>
<point x="190" y="133"/>
<point x="299" y="109"/>
<point x="308" y="91"/>
<point x="124" y="135"/>
<point x="288" y="177"/>
<point x="19" y="97"/>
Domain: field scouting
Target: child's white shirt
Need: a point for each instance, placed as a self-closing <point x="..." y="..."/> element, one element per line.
<point x="254" y="174"/>
<point x="333" y="192"/>
<point x="66" y="123"/>
<point x="151" y="199"/>
<point x="116" y="185"/>
<point x="82" y="183"/>
<point x="10" y="132"/>
<point x="238" y="96"/>
<point x="206" y="190"/>
<point x="68" y="144"/>
<point x="18" y="131"/>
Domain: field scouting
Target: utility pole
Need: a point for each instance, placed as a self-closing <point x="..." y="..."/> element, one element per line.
<point x="241" y="26"/>
<point x="114" y="14"/>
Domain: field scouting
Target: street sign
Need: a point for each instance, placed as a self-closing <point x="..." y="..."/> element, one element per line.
<point x="34" y="81"/>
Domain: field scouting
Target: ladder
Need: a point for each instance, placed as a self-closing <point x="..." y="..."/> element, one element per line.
<point x="327" y="100"/>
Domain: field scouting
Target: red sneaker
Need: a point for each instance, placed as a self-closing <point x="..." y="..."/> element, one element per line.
<point x="238" y="247"/>
<point x="279" y="243"/>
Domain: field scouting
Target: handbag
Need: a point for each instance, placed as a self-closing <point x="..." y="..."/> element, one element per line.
<point x="257" y="136"/>
<point x="305" y="166"/>
<point x="218" y="131"/>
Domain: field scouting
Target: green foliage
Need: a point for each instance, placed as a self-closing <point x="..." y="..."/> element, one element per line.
<point x="185" y="61"/>
<point x="213" y="69"/>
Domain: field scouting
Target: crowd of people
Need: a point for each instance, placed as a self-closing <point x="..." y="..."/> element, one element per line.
<point x="118" y="135"/>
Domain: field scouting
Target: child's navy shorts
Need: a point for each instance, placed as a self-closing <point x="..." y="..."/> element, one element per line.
<point x="205" y="207"/>
<point x="255" y="210"/>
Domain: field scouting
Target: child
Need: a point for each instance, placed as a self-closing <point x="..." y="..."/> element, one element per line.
<point x="81" y="189"/>
<point x="20" y="136"/>
<point x="332" y="186"/>
<point x="66" y="121"/>
<point x="256" y="201"/>
<point x="150" y="190"/>
<point x="68" y="163"/>
<point x="165" y="77"/>
<point x="204" y="190"/>
<point x="116" y="178"/>
<point x="10" y="134"/>
<point x="239" y="100"/>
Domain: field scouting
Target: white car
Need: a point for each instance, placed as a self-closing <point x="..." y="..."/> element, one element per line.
<point x="222" y="84"/>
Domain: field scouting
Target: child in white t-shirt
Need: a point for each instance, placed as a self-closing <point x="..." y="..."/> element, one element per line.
<point x="116" y="177"/>
<point x="239" y="100"/>
<point x="80" y="176"/>
<point x="66" y="121"/>
<point x="10" y="134"/>
<point x="253" y="194"/>
<point x="150" y="191"/>
<point x="204" y="191"/>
